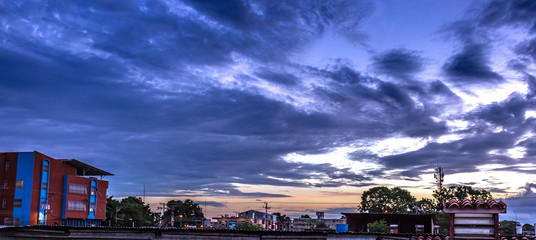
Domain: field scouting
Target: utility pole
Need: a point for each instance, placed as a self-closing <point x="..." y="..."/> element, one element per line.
<point x="172" y="216"/>
<point x="117" y="210"/>
<point x="266" y="213"/>
<point x="162" y="221"/>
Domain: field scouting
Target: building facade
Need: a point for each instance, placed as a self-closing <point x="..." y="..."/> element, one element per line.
<point x="228" y="222"/>
<point x="37" y="189"/>
<point x="261" y="219"/>
<point x="403" y="222"/>
<point x="305" y="224"/>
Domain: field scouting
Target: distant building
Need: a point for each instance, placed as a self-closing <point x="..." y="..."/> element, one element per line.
<point x="227" y="222"/>
<point x="38" y="189"/>
<point x="403" y="222"/>
<point x="305" y="224"/>
<point x="261" y="219"/>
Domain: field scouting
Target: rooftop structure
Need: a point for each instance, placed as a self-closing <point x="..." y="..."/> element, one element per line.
<point x="474" y="219"/>
<point x="406" y="222"/>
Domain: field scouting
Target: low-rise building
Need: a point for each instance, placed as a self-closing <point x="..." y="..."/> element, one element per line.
<point x="260" y="219"/>
<point x="306" y="224"/>
<point x="38" y="189"/>
<point x="227" y="222"/>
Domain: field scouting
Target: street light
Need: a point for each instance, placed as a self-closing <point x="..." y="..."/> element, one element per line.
<point x="132" y="221"/>
<point x="515" y="224"/>
<point x="117" y="210"/>
<point x="180" y="216"/>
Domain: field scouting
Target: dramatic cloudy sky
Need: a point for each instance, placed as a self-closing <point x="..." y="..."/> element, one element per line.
<point x="303" y="104"/>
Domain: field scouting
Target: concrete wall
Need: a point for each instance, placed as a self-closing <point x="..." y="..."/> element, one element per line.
<point x="53" y="232"/>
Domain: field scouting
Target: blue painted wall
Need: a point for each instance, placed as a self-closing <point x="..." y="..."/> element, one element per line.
<point x="65" y="188"/>
<point x="25" y="167"/>
<point x="92" y="199"/>
<point x="43" y="193"/>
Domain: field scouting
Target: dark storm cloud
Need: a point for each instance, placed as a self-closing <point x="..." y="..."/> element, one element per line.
<point x="216" y="134"/>
<point x="398" y="63"/>
<point x="277" y="77"/>
<point x="509" y="13"/>
<point x="474" y="150"/>
<point x="212" y="204"/>
<point x="386" y="107"/>
<point x="151" y="35"/>
<point x="224" y="189"/>
<point x="471" y="66"/>
<point x="459" y="156"/>
<point x="528" y="49"/>
<point x="509" y="113"/>
<point x="340" y="210"/>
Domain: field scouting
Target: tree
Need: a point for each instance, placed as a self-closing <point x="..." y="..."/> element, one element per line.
<point x="387" y="200"/>
<point x="244" y="225"/>
<point x="133" y="209"/>
<point x="311" y="223"/>
<point x="528" y="227"/>
<point x="283" y="222"/>
<point x="507" y="227"/>
<point x="443" y="220"/>
<point x="185" y="213"/>
<point x="305" y="216"/>
<point x="426" y="205"/>
<point x="128" y="210"/>
<point x="321" y="225"/>
<point x="458" y="192"/>
<point x="112" y="207"/>
<point x="379" y="226"/>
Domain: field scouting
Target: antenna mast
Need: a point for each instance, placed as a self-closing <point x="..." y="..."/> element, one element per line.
<point x="439" y="175"/>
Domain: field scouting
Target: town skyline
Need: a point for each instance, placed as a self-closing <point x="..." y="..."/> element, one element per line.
<point x="302" y="103"/>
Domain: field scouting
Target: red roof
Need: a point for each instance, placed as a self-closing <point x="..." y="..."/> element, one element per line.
<point x="466" y="204"/>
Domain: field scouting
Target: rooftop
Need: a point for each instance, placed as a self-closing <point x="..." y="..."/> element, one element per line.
<point x="84" y="169"/>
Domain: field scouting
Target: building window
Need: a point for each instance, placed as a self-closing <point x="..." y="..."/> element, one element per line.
<point x="44" y="205"/>
<point x="19" y="184"/>
<point x="5" y="184"/>
<point x="45" y="167"/>
<point x="93" y="191"/>
<point x="44" y="186"/>
<point x="4" y="203"/>
<point x="16" y="221"/>
<point x="92" y="207"/>
<point x="17" y="203"/>
<point x="8" y="221"/>
<point x="7" y="165"/>
<point x="76" y="206"/>
<point x="77" y="188"/>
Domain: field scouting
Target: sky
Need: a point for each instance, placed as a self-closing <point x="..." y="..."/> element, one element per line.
<point x="301" y="104"/>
